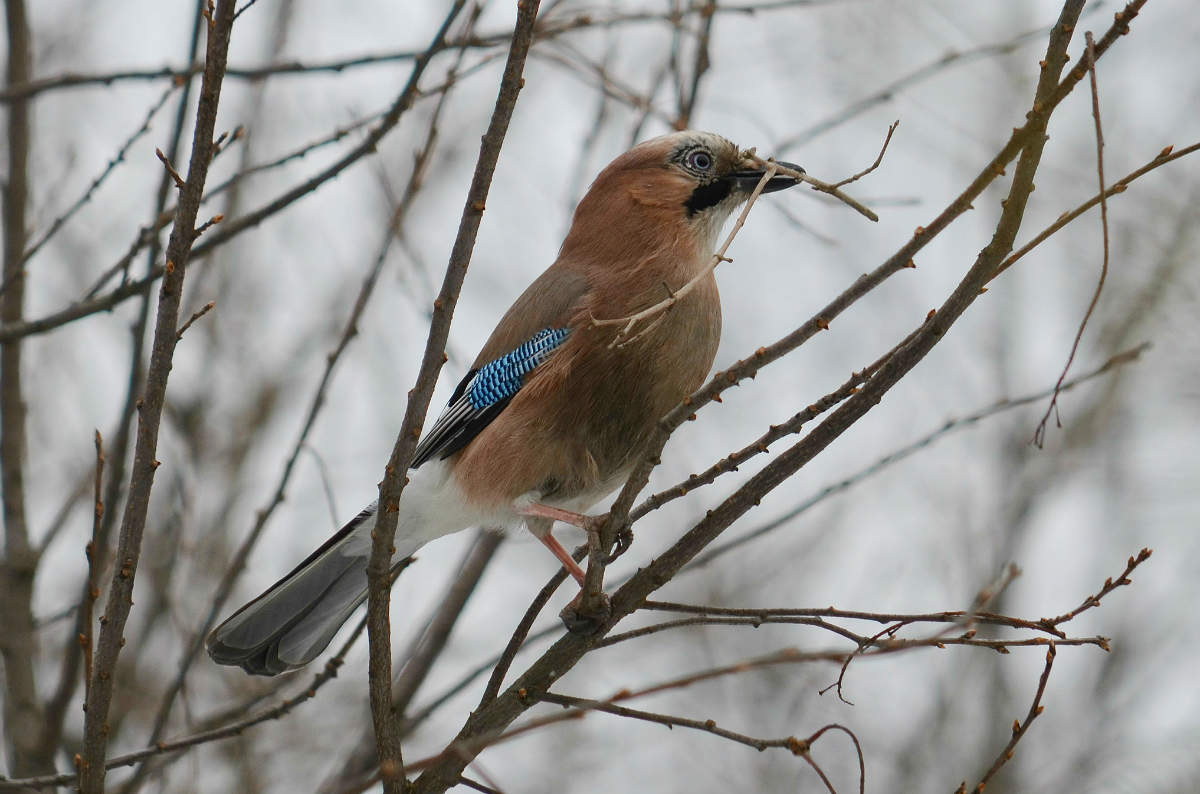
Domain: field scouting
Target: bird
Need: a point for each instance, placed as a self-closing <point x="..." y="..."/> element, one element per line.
<point x="553" y="414"/>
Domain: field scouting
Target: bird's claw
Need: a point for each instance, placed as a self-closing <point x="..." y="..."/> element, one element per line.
<point x="624" y="541"/>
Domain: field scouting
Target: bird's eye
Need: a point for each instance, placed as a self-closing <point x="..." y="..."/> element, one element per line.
<point x="700" y="160"/>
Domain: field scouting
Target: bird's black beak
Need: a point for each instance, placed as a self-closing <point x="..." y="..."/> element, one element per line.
<point x="746" y="180"/>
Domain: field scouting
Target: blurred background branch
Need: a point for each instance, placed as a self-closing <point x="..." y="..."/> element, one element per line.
<point x="316" y="252"/>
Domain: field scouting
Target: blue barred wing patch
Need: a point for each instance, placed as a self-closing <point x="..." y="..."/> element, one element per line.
<point x="499" y="380"/>
<point x="483" y="393"/>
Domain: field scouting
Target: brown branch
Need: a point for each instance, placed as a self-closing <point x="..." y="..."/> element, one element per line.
<point x="716" y="551"/>
<point x="1109" y="586"/>
<point x="196" y="315"/>
<point x="955" y="616"/>
<point x="1019" y="728"/>
<point x="968" y="638"/>
<point x="133" y="522"/>
<point x="890" y="459"/>
<point x="18" y="641"/>
<point x="883" y="149"/>
<point x="93" y="592"/>
<point x="386" y="723"/>
<point x="1167" y="155"/>
<point x="1039" y="434"/>
<point x="797" y="747"/>
<point x="327" y="674"/>
<point x="68" y="679"/>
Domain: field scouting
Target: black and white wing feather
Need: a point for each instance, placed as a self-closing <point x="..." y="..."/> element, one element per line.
<point x="483" y="393"/>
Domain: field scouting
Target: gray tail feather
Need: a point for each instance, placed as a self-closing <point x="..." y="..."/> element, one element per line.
<point x="295" y="619"/>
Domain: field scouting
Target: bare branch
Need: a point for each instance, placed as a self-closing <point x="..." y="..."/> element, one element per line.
<point x="883" y="149"/>
<point x="203" y="310"/>
<point x="92" y="767"/>
<point x="387" y="726"/>
<point x="116" y="160"/>
<point x="18" y="641"/>
<point x="1020" y="728"/>
<point x="327" y="674"/>
<point x="1039" y="434"/>
<point x="798" y="747"/>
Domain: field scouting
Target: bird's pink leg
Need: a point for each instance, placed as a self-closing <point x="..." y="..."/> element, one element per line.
<point x="563" y="556"/>
<point x="586" y="523"/>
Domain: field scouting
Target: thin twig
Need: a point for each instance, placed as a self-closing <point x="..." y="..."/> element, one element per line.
<point x="116" y="160"/>
<point x="1039" y="434"/>
<point x="1019" y="728"/>
<point x="89" y="603"/>
<point x="825" y="187"/>
<point x="1167" y="155"/>
<point x="888" y="460"/>
<point x="627" y="323"/>
<point x="175" y="177"/>
<point x="891" y="129"/>
<point x="203" y="310"/>
<point x="797" y="747"/>
<point x="1109" y="586"/>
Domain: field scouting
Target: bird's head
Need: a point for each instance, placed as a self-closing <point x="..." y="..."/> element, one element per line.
<point x="685" y="183"/>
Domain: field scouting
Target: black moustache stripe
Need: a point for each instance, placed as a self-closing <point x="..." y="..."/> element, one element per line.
<point x="707" y="196"/>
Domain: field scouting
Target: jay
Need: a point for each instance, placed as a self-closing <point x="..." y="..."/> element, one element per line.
<point x="552" y="415"/>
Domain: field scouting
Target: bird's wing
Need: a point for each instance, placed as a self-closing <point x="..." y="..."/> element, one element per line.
<point x="483" y="393"/>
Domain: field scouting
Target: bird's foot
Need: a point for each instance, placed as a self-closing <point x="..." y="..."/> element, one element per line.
<point x="624" y="541"/>
<point x="581" y="617"/>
